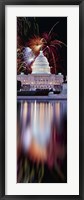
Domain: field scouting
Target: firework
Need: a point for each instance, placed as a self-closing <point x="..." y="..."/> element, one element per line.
<point x="28" y="55"/>
<point x="51" y="48"/>
<point x="36" y="44"/>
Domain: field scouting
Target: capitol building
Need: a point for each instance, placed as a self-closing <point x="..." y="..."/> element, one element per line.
<point x="41" y="77"/>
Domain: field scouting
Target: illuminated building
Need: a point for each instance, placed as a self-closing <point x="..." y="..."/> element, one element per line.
<point x="41" y="77"/>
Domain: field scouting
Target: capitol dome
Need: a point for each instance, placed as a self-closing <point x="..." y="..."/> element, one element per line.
<point x="41" y="65"/>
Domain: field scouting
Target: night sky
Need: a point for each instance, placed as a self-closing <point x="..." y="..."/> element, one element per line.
<point x="26" y="29"/>
<point x="46" y="23"/>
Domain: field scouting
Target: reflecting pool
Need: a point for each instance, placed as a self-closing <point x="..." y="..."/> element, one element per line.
<point x="41" y="141"/>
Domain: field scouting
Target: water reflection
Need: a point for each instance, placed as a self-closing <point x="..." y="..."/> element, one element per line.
<point x="41" y="141"/>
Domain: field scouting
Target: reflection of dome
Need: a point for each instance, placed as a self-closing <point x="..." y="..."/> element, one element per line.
<point x="41" y="65"/>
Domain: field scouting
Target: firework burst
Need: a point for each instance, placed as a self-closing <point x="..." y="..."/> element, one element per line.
<point x="51" y="48"/>
<point x="36" y="44"/>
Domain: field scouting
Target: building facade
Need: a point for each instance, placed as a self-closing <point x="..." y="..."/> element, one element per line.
<point x="40" y="78"/>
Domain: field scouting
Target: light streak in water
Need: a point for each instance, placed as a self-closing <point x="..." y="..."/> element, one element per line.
<point x="41" y="142"/>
